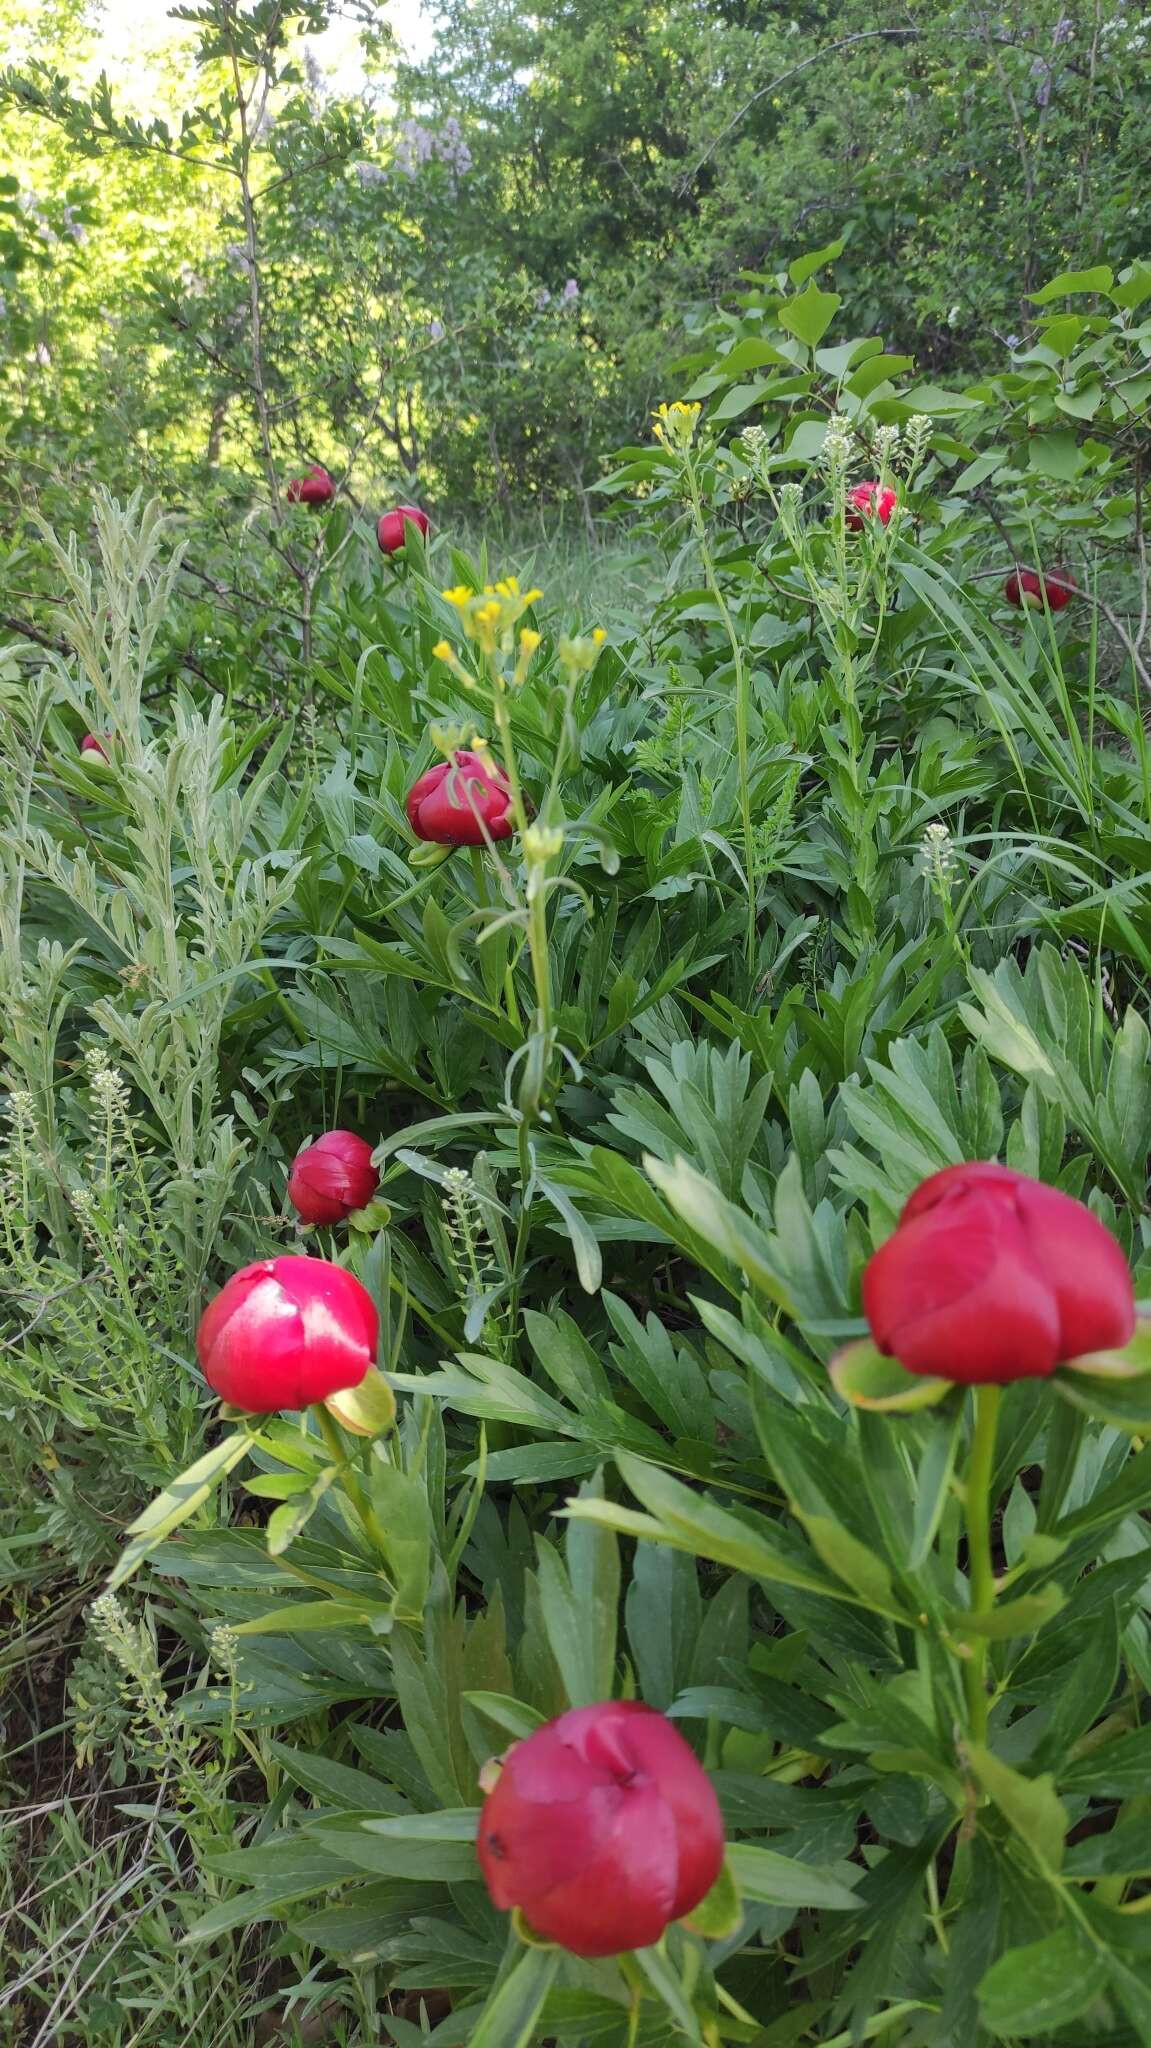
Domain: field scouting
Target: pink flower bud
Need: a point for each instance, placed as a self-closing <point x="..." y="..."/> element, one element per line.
<point x="285" y="1333"/>
<point x="332" y="1177"/>
<point x="603" y="1828"/>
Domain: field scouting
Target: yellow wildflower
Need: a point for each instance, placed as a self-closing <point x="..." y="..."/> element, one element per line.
<point x="490" y="616"/>
<point x="444" y="651"/>
<point x="675" y="424"/>
<point x="541" y="843"/>
<point x="579" y="653"/>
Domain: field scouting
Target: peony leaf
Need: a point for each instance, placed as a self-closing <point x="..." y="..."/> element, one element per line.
<point x="1045" y="1985"/>
<point x="508" y="2020"/>
<point x="671" y="1992"/>
<point x="1126" y="1403"/>
<point x="516" y="1719"/>
<point x="176" y="1503"/>
<point x="771" y="1879"/>
<point x="852" y="1562"/>
<point x="1022" y="1617"/>
<point x="1030" y="1805"/>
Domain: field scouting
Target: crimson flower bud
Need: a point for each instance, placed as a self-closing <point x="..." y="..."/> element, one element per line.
<point x="332" y="1177"/>
<point x="460" y="802"/>
<point x="286" y="1332"/>
<point x="602" y="1828"/>
<point x="316" y="488"/>
<point x="93" y="744"/>
<point x="391" y="532"/>
<point x="1026" y="587"/>
<point x="992" y="1276"/>
<point x="867" y="501"/>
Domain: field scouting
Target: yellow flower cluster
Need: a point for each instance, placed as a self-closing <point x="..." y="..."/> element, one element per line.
<point x="490" y="616"/>
<point x="675" y="424"/>
<point x="578" y="654"/>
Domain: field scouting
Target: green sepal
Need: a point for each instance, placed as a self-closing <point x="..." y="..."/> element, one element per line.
<point x="862" y="1375"/>
<point x="719" y="1913"/>
<point x="1131" y="1362"/>
<point x="366" y="1410"/>
<point x="429" y="854"/>
<point x="525" y="1932"/>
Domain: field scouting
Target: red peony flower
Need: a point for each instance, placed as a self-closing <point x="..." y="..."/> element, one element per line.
<point x="603" y="1828"/>
<point x="992" y="1276"/>
<point x="866" y="501"/>
<point x="93" y="744"/>
<point x="316" y="488"/>
<point x="1026" y="587"/>
<point x="390" y="531"/>
<point x="287" y="1332"/>
<point x="457" y="799"/>
<point x="332" y="1177"/>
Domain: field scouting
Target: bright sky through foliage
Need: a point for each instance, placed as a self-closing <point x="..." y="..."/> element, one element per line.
<point x="135" y="33"/>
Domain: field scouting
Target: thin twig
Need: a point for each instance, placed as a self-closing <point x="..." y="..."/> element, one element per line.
<point x="867" y="35"/>
<point x="28" y="631"/>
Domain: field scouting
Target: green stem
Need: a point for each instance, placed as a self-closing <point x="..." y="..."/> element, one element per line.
<point x="980" y="1570"/>
<point x="477" y="859"/>
<point x="629" y="1970"/>
<point x="383" y="909"/>
<point x="417" y="1308"/>
<point x="538" y="944"/>
<point x="341" y="1457"/>
<point x="507" y="746"/>
<point x="742" y="700"/>
<point x="537" y="904"/>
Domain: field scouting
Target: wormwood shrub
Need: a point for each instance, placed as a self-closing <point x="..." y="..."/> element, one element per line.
<point x="727" y="929"/>
<point x="132" y="897"/>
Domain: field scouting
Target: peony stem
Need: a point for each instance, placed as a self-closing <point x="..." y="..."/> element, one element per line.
<point x="742" y="701"/>
<point x="980" y="1570"/>
<point x="536" y="901"/>
<point x="341" y="1457"/>
<point x="632" y="1977"/>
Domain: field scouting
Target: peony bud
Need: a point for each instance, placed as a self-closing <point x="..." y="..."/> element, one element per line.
<point x="316" y="488"/>
<point x="332" y="1177"/>
<point x="603" y="1828"/>
<point x="992" y="1277"/>
<point x="1025" y="587"/>
<point x="391" y="531"/>
<point x="871" y="500"/>
<point x="461" y="802"/>
<point x="285" y="1333"/>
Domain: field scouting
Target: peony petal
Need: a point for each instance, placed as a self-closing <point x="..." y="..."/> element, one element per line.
<point x="955" y="1294"/>
<point x="625" y="1896"/>
<point x="529" y="1845"/>
<point x="1085" y="1268"/>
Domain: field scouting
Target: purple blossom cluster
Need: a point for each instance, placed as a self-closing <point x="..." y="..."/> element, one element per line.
<point x="71" y="227"/>
<point x="567" y="297"/>
<point x="417" y="145"/>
